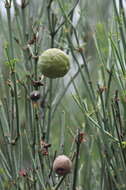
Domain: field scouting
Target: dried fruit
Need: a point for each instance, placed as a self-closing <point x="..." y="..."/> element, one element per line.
<point x="62" y="165"/>
<point x="54" y="63"/>
<point x="35" y="95"/>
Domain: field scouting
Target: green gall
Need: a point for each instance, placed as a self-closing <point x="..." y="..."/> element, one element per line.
<point x="54" y="63"/>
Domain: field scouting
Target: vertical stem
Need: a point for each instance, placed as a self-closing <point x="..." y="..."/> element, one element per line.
<point x="16" y="103"/>
<point x="50" y="110"/>
<point x="13" y="72"/>
<point x="76" y="162"/>
<point x="36" y="64"/>
<point x="10" y="30"/>
<point x="120" y="24"/>
<point x="51" y="28"/>
<point x="24" y="37"/>
<point x="13" y="75"/>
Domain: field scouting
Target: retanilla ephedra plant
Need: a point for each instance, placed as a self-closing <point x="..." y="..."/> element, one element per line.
<point x="62" y="95"/>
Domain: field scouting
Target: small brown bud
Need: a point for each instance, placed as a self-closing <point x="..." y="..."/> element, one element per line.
<point x="35" y="95"/>
<point x="23" y="173"/>
<point x="62" y="165"/>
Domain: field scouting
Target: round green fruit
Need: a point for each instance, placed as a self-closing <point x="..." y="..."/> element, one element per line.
<point x="54" y="63"/>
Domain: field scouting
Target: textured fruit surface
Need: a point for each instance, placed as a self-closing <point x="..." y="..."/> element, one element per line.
<point x="54" y="63"/>
<point x="62" y="165"/>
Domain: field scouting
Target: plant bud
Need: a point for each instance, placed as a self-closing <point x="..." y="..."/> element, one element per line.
<point x="54" y="63"/>
<point x="35" y="95"/>
<point x="62" y="165"/>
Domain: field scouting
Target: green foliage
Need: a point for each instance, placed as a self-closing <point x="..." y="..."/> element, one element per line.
<point x="81" y="115"/>
<point x="102" y="39"/>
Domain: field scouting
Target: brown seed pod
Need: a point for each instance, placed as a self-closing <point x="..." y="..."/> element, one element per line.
<point x="62" y="165"/>
<point x="35" y="95"/>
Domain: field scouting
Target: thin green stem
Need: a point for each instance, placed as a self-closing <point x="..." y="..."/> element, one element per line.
<point x="75" y="172"/>
<point x="11" y="50"/>
<point x="50" y="111"/>
<point x="60" y="182"/>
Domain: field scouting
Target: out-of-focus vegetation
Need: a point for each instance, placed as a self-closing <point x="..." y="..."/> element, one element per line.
<point x="81" y="115"/>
